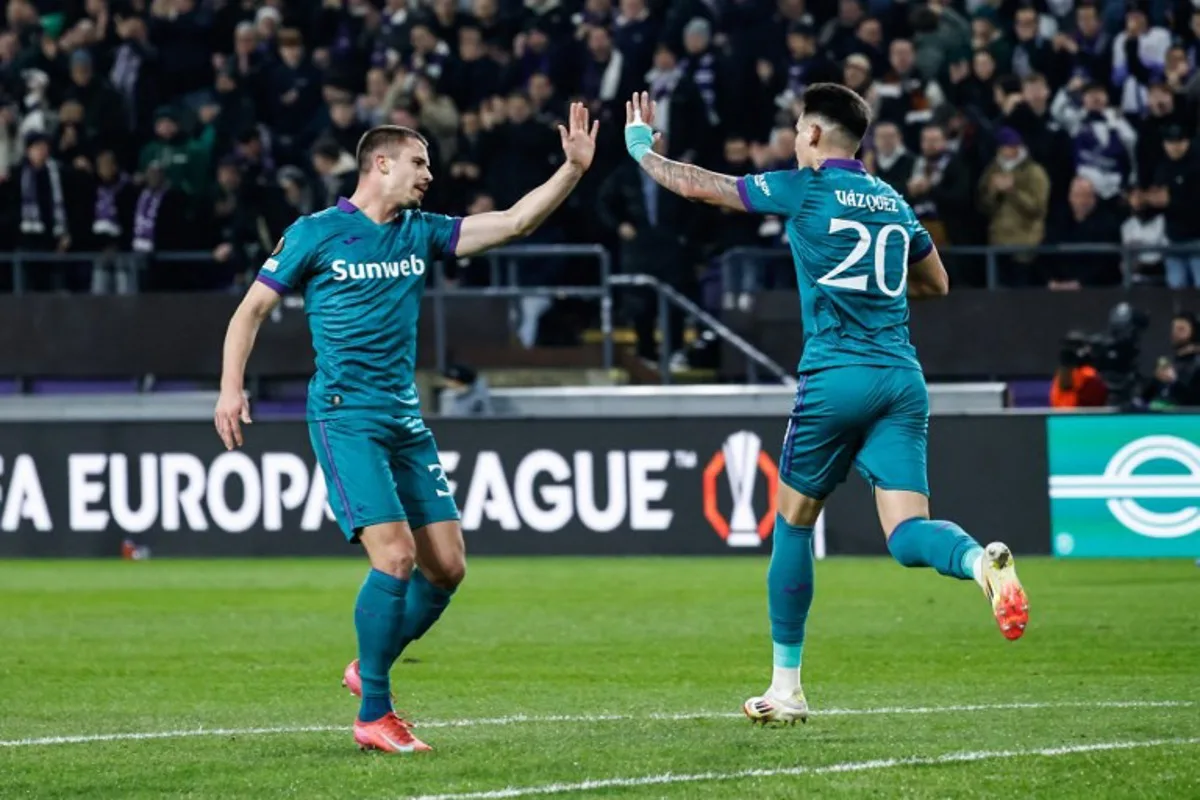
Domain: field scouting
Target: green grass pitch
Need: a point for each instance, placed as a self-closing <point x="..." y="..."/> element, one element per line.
<point x="626" y="672"/>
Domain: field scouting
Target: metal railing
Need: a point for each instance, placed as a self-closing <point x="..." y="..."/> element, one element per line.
<point x="511" y="257"/>
<point x="668" y="295"/>
<point x="743" y="268"/>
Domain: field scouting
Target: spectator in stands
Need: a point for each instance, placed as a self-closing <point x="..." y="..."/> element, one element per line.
<point x="1102" y="138"/>
<point x="337" y="170"/>
<point x="635" y="33"/>
<point x="939" y="189"/>
<point x="1139" y="57"/>
<point x="709" y="72"/>
<point x="1176" y="190"/>
<point x="182" y="29"/>
<point x="438" y="116"/>
<point x="907" y="99"/>
<point x="292" y="94"/>
<point x="104" y="116"/>
<point x="939" y="32"/>
<point x="606" y="80"/>
<point x="1032" y="53"/>
<point x="235" y="215"/>
<point x="136" y="75"/>
<point x="1029" y="115"/>
<point x="1177" y="377"/>
<point x="1014" y="194"/>
<point x="114" y="196"/>
<point x="839" y="37"/>
<point x="473" y="75"/>
<point x="889" y="159"/>
<point x="1162" y="111"/>
<point x="1085" y="52"/>
<point x="42" y="195"/>
<point x="856" y="74"/>
<point x="1087" y="223"/>
<point x="235" y="110"/>
<point x="975" y="88"/>
<point x="650" y="224"/>
<point x="1146" y="228"/>
<point x="344" y="126"/>
<point x="186" y="160"/>
<point x="159" y="225"/>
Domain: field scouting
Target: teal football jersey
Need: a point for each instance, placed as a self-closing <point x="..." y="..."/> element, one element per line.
<point x="362" y="285"/>
<point x="852" y="238"/>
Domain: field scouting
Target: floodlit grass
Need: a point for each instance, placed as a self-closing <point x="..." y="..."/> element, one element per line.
<point x="617" y="650"/>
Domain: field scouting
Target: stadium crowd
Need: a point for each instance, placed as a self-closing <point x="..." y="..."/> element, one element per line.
<point x="160" y="125"/>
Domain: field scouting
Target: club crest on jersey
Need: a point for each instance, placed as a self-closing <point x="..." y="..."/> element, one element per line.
<point x="871" y="202"/>
<point x="374" y="270"/>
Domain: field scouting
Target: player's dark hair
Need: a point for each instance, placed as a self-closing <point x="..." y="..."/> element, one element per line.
<point x="382" y="138"/>
<point x="840" y="106"/>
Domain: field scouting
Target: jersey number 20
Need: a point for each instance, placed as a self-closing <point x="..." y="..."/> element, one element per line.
<point x="860" y="282"/>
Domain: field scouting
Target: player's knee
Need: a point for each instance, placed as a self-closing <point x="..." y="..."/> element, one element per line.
<point x="796" y="509"/>
<point x="396" y="561"/>
<point x="390" y="548"/>
<point x="452" y="575"/>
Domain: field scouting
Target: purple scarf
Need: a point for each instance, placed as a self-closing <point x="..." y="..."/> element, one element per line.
<point x="107" y="220"/>
<point x="145" y="219"/>
<point x="32" y="222"/>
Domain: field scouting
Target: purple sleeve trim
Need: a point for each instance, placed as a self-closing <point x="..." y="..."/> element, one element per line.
<point x="452" y="245"/>
<point x="744" y="194"/>
<point x="917" y="255"/>
<point x="271" y="283"/>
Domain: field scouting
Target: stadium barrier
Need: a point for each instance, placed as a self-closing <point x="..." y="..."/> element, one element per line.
<point x="972" y="333"/>
<point x="604" y="487"/>
<point x="1089" y="485"/>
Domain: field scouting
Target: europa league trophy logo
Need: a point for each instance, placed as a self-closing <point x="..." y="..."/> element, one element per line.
<point x="741" y="467"/>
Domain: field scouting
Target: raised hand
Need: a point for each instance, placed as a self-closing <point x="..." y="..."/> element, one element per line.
<point x="639" y="125"/>
<point x="578" y="140"/>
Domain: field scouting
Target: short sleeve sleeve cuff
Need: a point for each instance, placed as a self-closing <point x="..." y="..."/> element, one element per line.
<point x="744" y="194"/>
<point x="274" y="285"/>
<point x="455" y="230"/>
<point x="919" y="252"/>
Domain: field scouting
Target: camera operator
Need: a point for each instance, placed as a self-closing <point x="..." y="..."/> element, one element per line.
<point x="1076" y="383"/>
<point x="1177" y="378"/>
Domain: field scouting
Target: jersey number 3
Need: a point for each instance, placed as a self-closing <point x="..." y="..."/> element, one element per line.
<point x="860" y="283"/>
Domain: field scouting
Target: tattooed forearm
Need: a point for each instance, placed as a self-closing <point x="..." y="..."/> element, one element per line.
<point x="692" y="182"/>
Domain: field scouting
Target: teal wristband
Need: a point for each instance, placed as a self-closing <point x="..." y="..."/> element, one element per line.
<point x="639" y="140"/>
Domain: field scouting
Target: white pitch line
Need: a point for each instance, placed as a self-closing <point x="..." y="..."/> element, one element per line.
<point x="844" y="767"/>
<point x="521" y="719"/>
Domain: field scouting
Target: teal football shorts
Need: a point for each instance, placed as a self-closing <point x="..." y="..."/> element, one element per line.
<point x="875" y="417"/>
<point x="381" y="469"/>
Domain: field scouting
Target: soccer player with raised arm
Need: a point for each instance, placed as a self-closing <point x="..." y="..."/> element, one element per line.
<point x="362" y="266"/>
<point x="860" y="254"/>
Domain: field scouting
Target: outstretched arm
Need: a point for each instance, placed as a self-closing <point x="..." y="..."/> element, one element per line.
<point x="686" y="180"/>
<point x="692" y="182"/>
<point x="481" y="232"/>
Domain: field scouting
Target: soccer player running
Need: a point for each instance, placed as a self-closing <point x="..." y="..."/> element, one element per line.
<point x="859" y="255"/>
<point x="361" y="266"/>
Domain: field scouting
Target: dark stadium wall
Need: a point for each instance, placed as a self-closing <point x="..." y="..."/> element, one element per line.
<point x="970" y="333"/>
<point x="977" y="332"/>
<point x="564" y="487"/>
